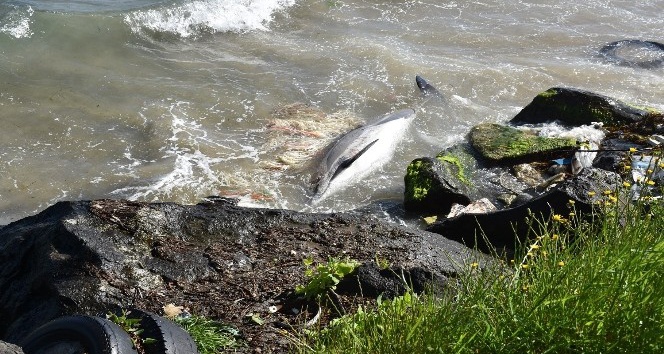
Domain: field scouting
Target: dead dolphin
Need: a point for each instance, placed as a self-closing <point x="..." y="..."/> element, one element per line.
<point x="426" y="88"/>
<point x="359" y="152"/>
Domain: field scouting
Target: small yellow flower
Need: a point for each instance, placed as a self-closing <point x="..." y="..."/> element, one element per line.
<point x="649" y="171"/>
<point x="627" y="167"/>
<point x="558" y="218"/>
<point x="535" y="246"/>
<point x="524" y="266"/>
<point x="591" y="194"/>
<point x="650" y="182"/>
<point x="607" y="192"/>
<point x="511" y="261"/>
<point x="661" y="165"/>
<point x="561" y="263"/>
<point x="632" y="149"/>
<point x="545" y="253"/>
<point x="554" y="237"/>
<point x="613" y="199"/>
<point x="474" y="265"/>
<point x="627" y="184"/>
<point x="570" y="202"/>
<point x="530" y="254"/>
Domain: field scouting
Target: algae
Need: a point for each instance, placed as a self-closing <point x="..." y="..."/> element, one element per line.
<point x="454" y="160"/>
<point x="499" y="143"/>
<point x="417" y="186"/>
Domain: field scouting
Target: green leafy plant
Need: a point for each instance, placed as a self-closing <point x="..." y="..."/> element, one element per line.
<point x="211" y="337"/>
<point x="132" y="326"/>
<point x="324" y="277"/>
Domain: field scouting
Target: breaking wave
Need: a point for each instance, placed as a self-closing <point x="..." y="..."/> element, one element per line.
<point x="207" y="16"/>
<point x="16" y="22"/>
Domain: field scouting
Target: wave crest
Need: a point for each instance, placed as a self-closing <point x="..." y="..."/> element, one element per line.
<point x="16" y="22"/>
<point x="202" y="16"/>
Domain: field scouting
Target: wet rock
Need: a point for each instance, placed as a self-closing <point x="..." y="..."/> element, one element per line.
<point x="8" y="348"/>
<point x="215" y="258"/>
<point x="503" y="229"/>
<point x="502" y="144"/>
<point x="528" y="174"/>
<point x="577" y="107"/>
<point x="477" y="207"/>
<point x="434" y="185"/>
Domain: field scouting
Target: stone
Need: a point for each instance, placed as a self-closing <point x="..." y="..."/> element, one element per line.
<point x="214" y="258"/>
<point x="576" y="107"/>
<point x="503" y="144"/>
<point x="502" y="230"/>
<point x="8" y="348"/>
<point x="433" y="185"/>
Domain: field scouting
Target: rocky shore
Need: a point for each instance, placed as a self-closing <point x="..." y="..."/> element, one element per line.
<point x="242" y="265"/>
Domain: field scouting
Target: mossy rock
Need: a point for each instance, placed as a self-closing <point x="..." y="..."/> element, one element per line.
<point x="577" y="107"/>
<point x="433" y="185"/>
<point x="502" y="144"/>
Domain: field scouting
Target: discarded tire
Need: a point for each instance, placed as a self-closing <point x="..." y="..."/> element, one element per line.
<point x="75" y="334"/>
<point x="612" y="53"/>
<point x="169" y="337"/>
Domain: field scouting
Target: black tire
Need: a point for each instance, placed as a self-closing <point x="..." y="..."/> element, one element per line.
<point x="94" y="334"/>
<point x="170" y="337"/>
<point x="610" y="53"/>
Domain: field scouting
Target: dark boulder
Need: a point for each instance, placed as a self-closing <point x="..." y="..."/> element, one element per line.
<point x="217" y="259"/>
<point x="577" y="107"/>
<point x="504" y="229"/>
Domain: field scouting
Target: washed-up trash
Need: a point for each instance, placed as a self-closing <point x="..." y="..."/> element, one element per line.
<point x="647" y="173"/>
<point x="565" y="161"/>
<point x="656" y="140"/>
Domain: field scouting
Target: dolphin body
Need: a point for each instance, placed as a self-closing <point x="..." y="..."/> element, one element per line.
<point x="359" y="152"/>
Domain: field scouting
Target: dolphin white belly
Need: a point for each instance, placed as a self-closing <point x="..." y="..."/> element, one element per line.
<point x="360" y="152"/>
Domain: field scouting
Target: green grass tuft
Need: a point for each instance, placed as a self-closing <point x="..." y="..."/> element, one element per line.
<point x="594" y="286"/>
<point x="211" y="337"/>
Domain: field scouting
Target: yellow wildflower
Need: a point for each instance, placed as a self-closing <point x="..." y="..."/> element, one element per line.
<point x="591" y="194"/>
<point x="558" y="218"/>
<point x="535" y="246"/>
<point x="561" y="263"/>
<point x="613" y="199"/>
<point x="650" y="182"/>
<point x="524" y="266"/>
<point x="554" y="236"/>
<point x="632" y="149"/>
<point x="627" y="184"/>
<point x="474" y="265"/>
<point x="627" y="167"/>
<point x="607" y="192"/>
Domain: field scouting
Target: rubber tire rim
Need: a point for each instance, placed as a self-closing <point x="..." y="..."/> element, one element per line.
<point x="97" y="335"/>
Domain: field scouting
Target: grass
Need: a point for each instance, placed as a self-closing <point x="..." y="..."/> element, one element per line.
<point x="593" y="286"/>
<point x="211" y="337"/>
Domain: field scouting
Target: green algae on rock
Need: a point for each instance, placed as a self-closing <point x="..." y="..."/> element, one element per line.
<point x="499" y="143"/>
<point x="434" y="184"/>
<point x="577" y="107"/>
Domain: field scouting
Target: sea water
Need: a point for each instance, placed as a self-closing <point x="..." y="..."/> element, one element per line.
<point x="176" y="100"/>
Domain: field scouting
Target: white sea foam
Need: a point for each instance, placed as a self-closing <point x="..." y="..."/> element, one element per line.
<point x="193" y="173"/>
<point x="16" y="22"/>
<point x="196" y="17"/>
